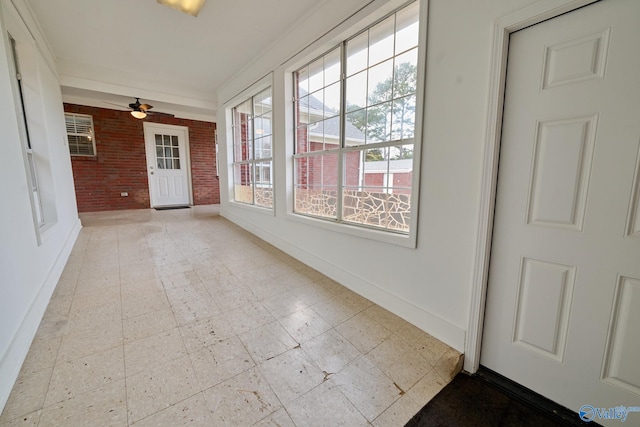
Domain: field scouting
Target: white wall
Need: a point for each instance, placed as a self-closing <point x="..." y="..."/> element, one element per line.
<point x="430" y="285"/>
<point x="29" y="271"/>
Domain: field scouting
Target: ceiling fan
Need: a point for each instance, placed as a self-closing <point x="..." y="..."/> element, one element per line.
<point x="140" y="111"/>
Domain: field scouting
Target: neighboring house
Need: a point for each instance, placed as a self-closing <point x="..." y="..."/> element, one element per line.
<point x="114" y="172"/>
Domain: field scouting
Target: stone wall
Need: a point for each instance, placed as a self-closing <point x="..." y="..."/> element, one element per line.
<point x="263" y="196"/>
<point x="388" y="211"/>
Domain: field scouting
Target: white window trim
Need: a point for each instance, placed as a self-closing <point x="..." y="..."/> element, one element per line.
<point x="39" y="218"/>
<point x="92" y="134"/>
<point x="343" y="32"/>
<point x="262" y="84"/>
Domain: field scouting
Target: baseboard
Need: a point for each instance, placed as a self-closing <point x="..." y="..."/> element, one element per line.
<point x="439" y="328"/>
<point x="17" y="351"/>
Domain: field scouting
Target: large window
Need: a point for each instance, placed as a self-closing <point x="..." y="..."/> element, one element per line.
<point x="355" y="125"/>
<point x="252" y="152"/>
<point x="32" y="175"/>
<point x="80" y="134"/>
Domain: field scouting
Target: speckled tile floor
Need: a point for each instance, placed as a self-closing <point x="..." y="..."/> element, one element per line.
<point x="180" y="317"/>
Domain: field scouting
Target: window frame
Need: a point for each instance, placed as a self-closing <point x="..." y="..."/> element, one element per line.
<point x="39" y="217"/>
<point x="409" y="238"/>
<point x="252" y="162"/>
<point x="90" y="135"/>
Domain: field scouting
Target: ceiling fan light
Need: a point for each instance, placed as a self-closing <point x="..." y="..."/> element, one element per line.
<point x="191" y="7"/>
<point x="138" y="114"/>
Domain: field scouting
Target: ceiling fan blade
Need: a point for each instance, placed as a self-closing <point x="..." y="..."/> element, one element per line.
<point x="117" y="105"/>
<point x="159" y="114"/>
<point x="145" y="107"/>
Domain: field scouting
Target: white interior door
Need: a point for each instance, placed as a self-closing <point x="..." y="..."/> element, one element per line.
<point x="563" y="303"/>
<point x="167" y="164"/>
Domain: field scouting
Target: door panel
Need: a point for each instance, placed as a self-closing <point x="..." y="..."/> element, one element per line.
<point x="564" y="280"/>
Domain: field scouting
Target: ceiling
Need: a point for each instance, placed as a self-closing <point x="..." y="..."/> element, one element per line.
<point x="110" y="51"/>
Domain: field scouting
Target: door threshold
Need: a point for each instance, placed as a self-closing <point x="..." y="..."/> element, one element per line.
<point x="530" y="397"/>
<point x="166" y="208"/>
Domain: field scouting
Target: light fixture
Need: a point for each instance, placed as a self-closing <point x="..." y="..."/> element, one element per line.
<point x="138" y="114"/>
<point x="191" y="7"/>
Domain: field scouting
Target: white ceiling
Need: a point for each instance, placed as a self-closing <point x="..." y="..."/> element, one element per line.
<point x="114" y="50"/>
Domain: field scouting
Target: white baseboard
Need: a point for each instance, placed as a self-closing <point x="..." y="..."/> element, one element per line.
<point x="434" y="325"/>
<point x="16" y="353"/>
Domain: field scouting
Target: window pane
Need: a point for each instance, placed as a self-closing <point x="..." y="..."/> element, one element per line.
<point x="405" y="74"/>
<point x="380" y="83"/>
<point x="79" y="129"/>
<point x="316" y="189"/>
<point x="357" y="91"/>
<point x="384" y="198"/>
<point x="264" y="185"/>
<point x="332" y="100"/>
<point x="315" y="135"/>
<point x="403" y="118"/>
<point x="176" y="163"/>
<point x="262" y="126"/>
<point x="167" y="152"/>
<point x="302" y="77"/>
<point x="160" y="163"/>
<point x="302" y="110"/>
<point x="243" y="183"/>
<point x="407" y="28"/>
<point x="332" y="67"/>
<point x="357" y="53"/>
<point x="354" y="128"/>
<point x="263" y="148"/>
<point x="176" y="153"/>
<point x="302" y="139"/>
<point x="266" y="100"/>
<point x="174" y="141"/>
<point x="316" y="75"/>
<point x="352" y="167"/>
<point x="257" y="105"/>
<point x="331" y="129"/>
<point x="381" y="41"/>
<point x="379" y="123"/>
<point x="159" y="152"/>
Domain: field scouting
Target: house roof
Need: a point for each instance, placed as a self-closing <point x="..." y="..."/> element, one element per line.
<point x="331" y="127"/>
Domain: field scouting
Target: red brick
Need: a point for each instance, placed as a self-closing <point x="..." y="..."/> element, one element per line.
<point x="121" y="163"/>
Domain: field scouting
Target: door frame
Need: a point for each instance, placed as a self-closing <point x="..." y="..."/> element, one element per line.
<point x="147" y="129"/>
<point x="503" y="27"/>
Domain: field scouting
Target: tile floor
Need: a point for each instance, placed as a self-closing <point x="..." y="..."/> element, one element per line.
<point x="180" y="317"/>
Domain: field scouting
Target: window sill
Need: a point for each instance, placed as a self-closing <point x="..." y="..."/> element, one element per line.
<point x="404" y="240"/>
<point x="84" y="158"/>
<point x="252" y="208"/>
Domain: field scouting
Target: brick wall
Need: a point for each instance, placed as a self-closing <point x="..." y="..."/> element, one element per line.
<point x="121" y="164"/>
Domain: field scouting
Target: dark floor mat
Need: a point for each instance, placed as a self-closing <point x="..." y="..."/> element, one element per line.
<point x="470" y="401"/>
<point x="167" y="208"/>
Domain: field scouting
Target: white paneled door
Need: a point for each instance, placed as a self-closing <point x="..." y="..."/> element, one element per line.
<point x="563" y="303"/>
<point x="167" y="164"/>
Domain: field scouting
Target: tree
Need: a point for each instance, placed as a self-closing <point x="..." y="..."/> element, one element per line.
<point x="387" y="118"/>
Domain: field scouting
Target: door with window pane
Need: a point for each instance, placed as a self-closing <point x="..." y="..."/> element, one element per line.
<point x="167" y="164"/>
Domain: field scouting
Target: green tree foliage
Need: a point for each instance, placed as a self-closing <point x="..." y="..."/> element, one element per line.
<point x="391" y="113"/>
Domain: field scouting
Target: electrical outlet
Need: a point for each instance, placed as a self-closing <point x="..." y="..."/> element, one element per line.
<point x="124" y="194"/>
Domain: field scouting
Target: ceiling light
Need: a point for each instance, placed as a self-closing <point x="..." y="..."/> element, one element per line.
<point x="138" y="114"/>
<point x="192" y="7"/>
